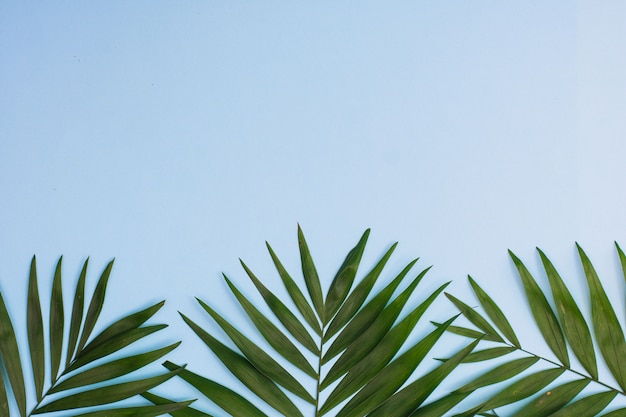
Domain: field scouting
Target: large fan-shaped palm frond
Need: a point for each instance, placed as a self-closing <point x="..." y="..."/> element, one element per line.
<point x="345" y="346"/>
<point x="550" y="390"/>
<point x="77" y="373"/>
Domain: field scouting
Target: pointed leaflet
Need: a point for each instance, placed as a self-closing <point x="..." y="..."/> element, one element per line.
<point x="113" y="345"/>
<point x="475" y="318"/>
<point x="286" y="317"/>
<point x="340" y="287"/>
<point x="439" y="407"/>
<point x="251" y="377"/>
<point x="185" y="412"/>
<point x="35" y="330"/>
<point x="370" y="337"/>
<point x="410" y="398"/>
<point x="144" y="411"/>
<point x="272" y="334"/>
<point x="486" y="354"/>
<point x="523" y="388"/>
<point x="294" y="292"/>
<point x="588" y="406"/>
<point x="372" y="312"/>
<point x="10" y="356"/>
<point x="609" y="333"/>
<point x="113" y="369"/>
<point x="4" y="400"/>
<point x="572" y="320"/>
<point x="543" y="314"/>
<point x="615" y="413"/>
<point x="494" y="313"/>
<point x="392" y="377"/>
<point x="77" y="314"/>
<point x="261" y="360"/>
<point x="228" y="400"/>
<point x="357" y="297"/>
<point x="553" y="400"/>
<point x="105" y="395"/>
<point x="132" y="321"/>
<point x="95" y="306"/>
<point x="379" y="356"/>
<point x="57" y="319"/>
<point x="310" y="277"/>
<point x="500" y="373"/>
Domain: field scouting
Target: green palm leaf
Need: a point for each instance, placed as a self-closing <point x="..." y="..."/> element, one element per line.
<point x="563" y="329"/>
<point x="364" y="338"/>
<point x="74" y="374"/>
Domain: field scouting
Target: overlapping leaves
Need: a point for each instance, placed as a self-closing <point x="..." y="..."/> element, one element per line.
<point x="75" y="383"/>
<point x="565" y="331"/>
<point x="344" y="345"/>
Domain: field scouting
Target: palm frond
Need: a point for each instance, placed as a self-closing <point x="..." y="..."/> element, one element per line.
<point x="565" y="330"/>
<point x="349" y="344"/>
<point x="82" y="349"/>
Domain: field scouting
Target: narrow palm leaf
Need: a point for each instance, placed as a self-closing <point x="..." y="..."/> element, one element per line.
<point x="95" y="306"/>
<point x="357" y="297"/>
<point x="144" y="411"/>
<point x="225" y="398"/>
<point x="341" y="284"/>
<point x="185" y="412"/>
<point x="77" y="314"/>
<point x="553" y="400"/>
<point x="495" y="314"/>
<point x="587" y="407"/>
<point x="286" y="317"/>
<point x="475" y="318"/>
<point x="608" y="331"/>
<point x="10" y="356"/>
<point x="250" y="376"/>
<point x="490" y="353"/>
<point x="296" y="295"/>
<point x="311" y="278"/>
<point x="543" y="314"/>
<point x="500" y="373"/>
<point x="57" y="320"/>
<point x="261" y="360"/>
<point x="272" y="334"/>
<point x="35" y="331"/>
<point x="574" y="324"/>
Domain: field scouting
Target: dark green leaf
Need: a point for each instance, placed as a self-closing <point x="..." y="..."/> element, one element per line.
<point x="464" y="331"/>
<point x="588" y="406"/>
<point x="296" y="295"/>
<point x="77" y="314"/>
<point x="261" y="360"/>
<point x="391" y="378"/>
<point x="240" y="367"/>
<point x="272" y="334"/>
<point x="495" y="314"/>
<point x="57" y="319"/>
<point x="616" y="413"/>
<point x="357" y="297"/>
<point x="113" y="369"/>
<point x="185" y="412"/>
<point x="35" y="331"/>
<point x="228" y="400"/>
<point x="439" y="407"/>
<point x="486" y="354"/>
<point x="407" y="401"/>
<point x="286" y="317"/>
<point x="543" y="314"/>
<point x="341" y="284"/>
<point x="608" y="331"/>
<point x="475" y="318"/>
<point x="370" y="316"/>
<point x="553" y="400"/>
<point x="311" y="278"/>
<point x="10" y="356"/>
<point x="572" y="320"/>
<point x="500" y="373"/>
<point x="105" y="395"/>
<point x="143" y="411"/>
<point x="523" y="388"/>
<point x="113" y="345"/>
<point x="95" y="306"/>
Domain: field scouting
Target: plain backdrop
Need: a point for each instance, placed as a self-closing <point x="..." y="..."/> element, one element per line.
<point x="178" y="137"/>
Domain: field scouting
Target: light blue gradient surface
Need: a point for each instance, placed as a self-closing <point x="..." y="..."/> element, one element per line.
<point x="179" y="136"/>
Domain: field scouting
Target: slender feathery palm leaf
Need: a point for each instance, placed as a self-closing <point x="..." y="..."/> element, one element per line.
<point x="565" y="331"/>
<point x="344" y="346"/>
<point x="75" y="383"/>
